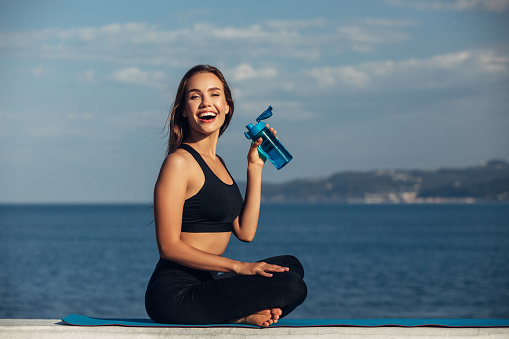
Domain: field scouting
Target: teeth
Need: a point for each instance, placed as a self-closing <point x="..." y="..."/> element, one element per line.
<point x="207" y="114"/>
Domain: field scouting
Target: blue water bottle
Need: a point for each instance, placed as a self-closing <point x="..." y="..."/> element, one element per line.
<point x="271" y="148"/>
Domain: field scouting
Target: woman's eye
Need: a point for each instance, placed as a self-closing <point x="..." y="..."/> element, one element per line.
<point x="194" y="97"/>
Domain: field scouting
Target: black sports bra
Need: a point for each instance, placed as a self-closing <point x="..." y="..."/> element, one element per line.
<point x="215" y="206"/>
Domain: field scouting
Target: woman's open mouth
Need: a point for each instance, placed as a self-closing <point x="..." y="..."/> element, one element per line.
<point x="207" y="116"/>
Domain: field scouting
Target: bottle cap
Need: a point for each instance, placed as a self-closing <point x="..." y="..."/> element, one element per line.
<point x="265" y="115"/>
<point x="254" y="130"/>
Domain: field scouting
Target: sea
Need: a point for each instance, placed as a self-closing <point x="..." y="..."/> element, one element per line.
<point x="361" y="261"/>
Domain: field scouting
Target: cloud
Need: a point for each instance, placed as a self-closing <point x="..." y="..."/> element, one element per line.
<point x="390" y="22"/>
<point x="6" y="127"/>
<point x="42" y="72"/>
<point x="351" y="76"/>
<point x="38" y="71"/>
<point x="293" y="25"/>
<point x="440" y="71"/>
<point x="457" y="5"/>
<point x="141" y="43"/>
<point x="135" y="76"/>
<point x="364" y="38"/>
<point x="47" y="124"/>
<point x="246" y="71"/>
<point x="88" y="77"/>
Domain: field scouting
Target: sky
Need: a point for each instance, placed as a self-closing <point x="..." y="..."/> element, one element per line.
<point x="85" y="87"/>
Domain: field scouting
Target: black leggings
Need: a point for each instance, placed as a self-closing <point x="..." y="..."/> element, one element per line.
<point x="178" y="294"/>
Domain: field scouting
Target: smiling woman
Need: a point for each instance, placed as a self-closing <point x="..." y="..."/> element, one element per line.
<point x="197" y="206"/>
<point x="178" y="126"/>
<point x="205" y="102"/>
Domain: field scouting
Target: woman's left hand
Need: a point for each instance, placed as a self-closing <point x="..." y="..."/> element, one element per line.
<point x="258" y="268"/>
<point x="254" y="157"/>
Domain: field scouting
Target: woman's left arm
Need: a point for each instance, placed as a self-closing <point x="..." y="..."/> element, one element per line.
<point x="244" y="227"/>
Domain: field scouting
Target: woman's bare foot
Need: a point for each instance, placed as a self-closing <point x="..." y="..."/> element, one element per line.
<point x="263" y="318"/>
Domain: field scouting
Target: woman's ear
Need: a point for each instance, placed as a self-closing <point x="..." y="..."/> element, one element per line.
<point x="227" y="109"/>
<point x="184" y="114"/>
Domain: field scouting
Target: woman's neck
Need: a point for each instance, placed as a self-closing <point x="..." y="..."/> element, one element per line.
<point x="205" y="145"/>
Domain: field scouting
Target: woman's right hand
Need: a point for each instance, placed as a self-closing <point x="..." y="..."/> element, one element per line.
<point x="254" y="157"/>
<point x="259" y="268"/>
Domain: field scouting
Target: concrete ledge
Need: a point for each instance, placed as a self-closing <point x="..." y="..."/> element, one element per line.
<point x="48" y="328"/>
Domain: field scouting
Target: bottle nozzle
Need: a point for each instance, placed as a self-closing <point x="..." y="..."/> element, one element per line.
<point x="265" y="115"/>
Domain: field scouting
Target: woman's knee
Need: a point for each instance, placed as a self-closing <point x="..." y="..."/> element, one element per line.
<point x="292" y="286"/>
<point x="289" y="261"/>
<point x="296" y="266"/>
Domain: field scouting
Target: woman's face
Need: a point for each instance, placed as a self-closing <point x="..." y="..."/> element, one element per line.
<point x="205" y="103"/>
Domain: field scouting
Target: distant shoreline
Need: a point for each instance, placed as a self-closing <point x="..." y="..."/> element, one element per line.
<point x="485" y="183"/>
<point x="148" y="205"/>
<point x="474" y="184"/>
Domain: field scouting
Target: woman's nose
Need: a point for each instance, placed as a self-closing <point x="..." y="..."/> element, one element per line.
<point x="205" y="102"/>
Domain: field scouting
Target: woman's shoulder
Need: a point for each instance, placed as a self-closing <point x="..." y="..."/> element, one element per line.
<point x="179" y="168"/>
<point x="179" y="160"/>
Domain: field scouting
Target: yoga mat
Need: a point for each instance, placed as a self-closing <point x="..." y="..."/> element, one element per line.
<point x="80" y="320"/>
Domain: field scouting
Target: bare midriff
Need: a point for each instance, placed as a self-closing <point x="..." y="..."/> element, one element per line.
<point x="213" y="243"/>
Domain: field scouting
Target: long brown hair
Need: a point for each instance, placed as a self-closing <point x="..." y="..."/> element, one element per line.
<point x="178" y="127"/>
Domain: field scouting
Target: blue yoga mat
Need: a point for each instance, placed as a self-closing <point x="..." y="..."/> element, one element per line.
<point x="80" y="320"/>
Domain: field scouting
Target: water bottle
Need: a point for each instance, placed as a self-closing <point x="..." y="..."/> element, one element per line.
<point x="270" y="148"/>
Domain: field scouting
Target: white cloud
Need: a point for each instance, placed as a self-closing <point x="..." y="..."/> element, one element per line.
<point x="350" y="76"/>
<point x="364" y="35"/>
<point x="140" y="43"/>
<point x="368" y="35"/>
<point x="247" y="72"/>
<point x="7" y="121"/>
<point x="41" y="72"/>
<point x="440" y="71"/>
<point x="390" y="22"/>
<point x="88" y="77"/>
<point x="38" y="71"/>
<point x="135" y="76"/>
<point x="457" y="5"/>
<point x="255" y="32"/>
<point x="296" y="24"/>
<point x="364" y="38"/>
<point x="48" y="124"/>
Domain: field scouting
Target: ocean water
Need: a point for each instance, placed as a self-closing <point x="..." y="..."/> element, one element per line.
<point x="361" y="261"/>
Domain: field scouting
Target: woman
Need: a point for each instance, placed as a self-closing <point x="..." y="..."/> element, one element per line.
<point x="197" y="206"/>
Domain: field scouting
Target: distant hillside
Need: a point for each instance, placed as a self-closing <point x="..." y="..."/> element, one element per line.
<point x="486" y="182"/>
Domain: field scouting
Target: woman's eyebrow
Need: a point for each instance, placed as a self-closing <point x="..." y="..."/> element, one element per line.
<point x="214" y="89"/>
<point x="209" y="90"/>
